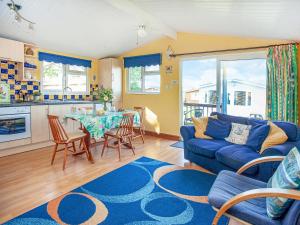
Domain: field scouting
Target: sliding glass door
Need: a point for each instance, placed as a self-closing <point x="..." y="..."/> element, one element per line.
<point x="232" y="84"/>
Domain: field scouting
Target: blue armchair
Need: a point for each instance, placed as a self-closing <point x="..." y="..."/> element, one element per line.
<point x="218" y="155"/>
<point x="243" y="198"/>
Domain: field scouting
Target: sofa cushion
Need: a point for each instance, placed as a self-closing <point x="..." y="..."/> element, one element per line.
<point x="276" y="136"/>
<point x="229" y="184"/>
<point x="217" y="129"/>
<point x="200" y="127"/>
<point x="239" y="133"/>
<point x="257" y="135"/>
<point x="235" y="156"/>
<point x="205" y="147"/>
<point x="290" y="129"/>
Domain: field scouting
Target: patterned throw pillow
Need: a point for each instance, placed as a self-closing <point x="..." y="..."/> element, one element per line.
<point x="286" y="176"/>
<point x="239" y="133"/>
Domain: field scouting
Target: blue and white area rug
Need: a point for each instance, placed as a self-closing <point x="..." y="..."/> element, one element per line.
<point x="143" y="192"/>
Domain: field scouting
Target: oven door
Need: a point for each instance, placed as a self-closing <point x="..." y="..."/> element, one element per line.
<point x="14" y="127"/>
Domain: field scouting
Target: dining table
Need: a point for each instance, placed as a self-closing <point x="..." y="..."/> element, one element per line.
<point x="95" y="125"/>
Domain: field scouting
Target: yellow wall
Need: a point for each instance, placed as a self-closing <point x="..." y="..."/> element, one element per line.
<point x="162" y="113"/>
<point x="93" y="71"/>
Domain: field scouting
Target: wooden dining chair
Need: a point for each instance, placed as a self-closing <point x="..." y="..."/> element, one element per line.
<point x="139" y="129"/>
<point x="60" y="137"/>
<point x="122" y="136"/>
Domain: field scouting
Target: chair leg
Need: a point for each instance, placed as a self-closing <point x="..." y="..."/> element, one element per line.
<point x="119" y="149"/>
<point x="130" y="144"/>
<point x="104" y="145"/>
<point x="142" y="135"/>
<point x="54" y="153"/>
<point x="65" y="156"/>
<point x="74" y="148"/>
<point x="84" y="148"/>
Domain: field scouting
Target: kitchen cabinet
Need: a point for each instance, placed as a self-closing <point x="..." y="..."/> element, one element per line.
<point x="110" y="76"/>
<point x="11" y="50"/>
<point x="61" y="111"/>
<point x="40" y="131"/>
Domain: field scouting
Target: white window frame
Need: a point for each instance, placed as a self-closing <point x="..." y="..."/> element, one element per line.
<point x="261" y="54"/>
<point x="64" y="82"/>
<point x="143" y="75"/>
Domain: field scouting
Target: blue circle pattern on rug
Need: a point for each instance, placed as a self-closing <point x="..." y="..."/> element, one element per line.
<point x="141" y="177"/>
<point x="188" y="182"/>
<point x="182" y="215"/>
<point x="76" y="215"/>
<point x="31" y="221"/>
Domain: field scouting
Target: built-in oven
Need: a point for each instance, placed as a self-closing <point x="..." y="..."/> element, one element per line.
<point x="14" y="123"/>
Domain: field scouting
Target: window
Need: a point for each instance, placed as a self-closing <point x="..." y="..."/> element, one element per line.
<point x="144" y="79"/>
<point x="240" y="98"/>
<point x="56" y="77"/>
<point x="212" y="97"/>
<point x="249" y="98"/>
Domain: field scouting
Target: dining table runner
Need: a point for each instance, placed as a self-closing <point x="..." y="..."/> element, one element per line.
<point x="97" y="125"/>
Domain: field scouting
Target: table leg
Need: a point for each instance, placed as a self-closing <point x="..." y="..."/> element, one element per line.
<point x="87" y="141"/>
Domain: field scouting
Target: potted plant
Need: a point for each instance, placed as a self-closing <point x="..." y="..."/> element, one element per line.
<point x="36" y="96"/>
<point x="105" y="95"/>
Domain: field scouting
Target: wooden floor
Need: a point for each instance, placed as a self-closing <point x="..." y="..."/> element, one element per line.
<point x="27" y="180"/>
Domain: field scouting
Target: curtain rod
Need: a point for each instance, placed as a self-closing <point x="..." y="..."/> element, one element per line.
<point x="230" y="50"/>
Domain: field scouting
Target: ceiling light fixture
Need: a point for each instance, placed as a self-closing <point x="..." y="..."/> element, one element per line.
<point x="15" y="8"/>
<point x="141" y="31"/>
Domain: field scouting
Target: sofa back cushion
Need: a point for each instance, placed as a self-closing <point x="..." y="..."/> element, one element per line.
<point x="287" y="176"/>
<point x="290" y="129"/>
<point x="217" y="129"/>
<point x="257" y="135"/>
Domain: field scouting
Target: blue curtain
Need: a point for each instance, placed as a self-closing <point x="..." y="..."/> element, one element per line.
<point x="43" y="56"/>
<point x="142" y="60"/>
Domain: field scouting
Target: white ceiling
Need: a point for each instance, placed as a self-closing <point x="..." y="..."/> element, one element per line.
<point x="100" y="28"/>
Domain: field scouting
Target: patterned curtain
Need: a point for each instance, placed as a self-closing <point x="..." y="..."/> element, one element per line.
<point x="282" y="83"/>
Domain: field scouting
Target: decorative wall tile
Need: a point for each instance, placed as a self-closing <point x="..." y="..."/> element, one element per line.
<point x="8" y="74"/>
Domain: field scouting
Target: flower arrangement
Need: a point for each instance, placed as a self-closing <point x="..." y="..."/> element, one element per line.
<point x="105" y="95"/>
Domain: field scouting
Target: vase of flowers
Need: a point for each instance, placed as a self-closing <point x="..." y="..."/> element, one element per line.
<point x="105" y="96"/>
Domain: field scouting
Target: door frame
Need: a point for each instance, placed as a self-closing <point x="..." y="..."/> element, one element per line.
<point x="240" y="55"/>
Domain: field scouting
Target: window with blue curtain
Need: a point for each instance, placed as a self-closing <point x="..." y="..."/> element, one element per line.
<point x="143" y="73"/>
<point x="63" y="74"/>
<point x="66" y="60"/>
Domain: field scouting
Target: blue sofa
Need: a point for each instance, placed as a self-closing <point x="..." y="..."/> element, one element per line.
<point x="218" y="155"/>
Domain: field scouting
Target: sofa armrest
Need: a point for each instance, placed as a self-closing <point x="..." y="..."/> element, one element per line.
<point x="282" y="149"/>
<point x="187" y="132"/>
<point x="266" y="170"/>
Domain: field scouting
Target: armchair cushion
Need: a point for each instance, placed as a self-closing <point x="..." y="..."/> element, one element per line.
<point x="286" y="176"/>
<point x="229" y="184"/>
<point x="235" y="156"/>
<point x="205" y="147"/>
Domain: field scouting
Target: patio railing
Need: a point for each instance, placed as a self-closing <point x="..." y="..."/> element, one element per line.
<point x="197" y="110"/>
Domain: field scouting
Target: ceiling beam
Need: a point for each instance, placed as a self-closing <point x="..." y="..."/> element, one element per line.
<point x="132" y="9"/>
